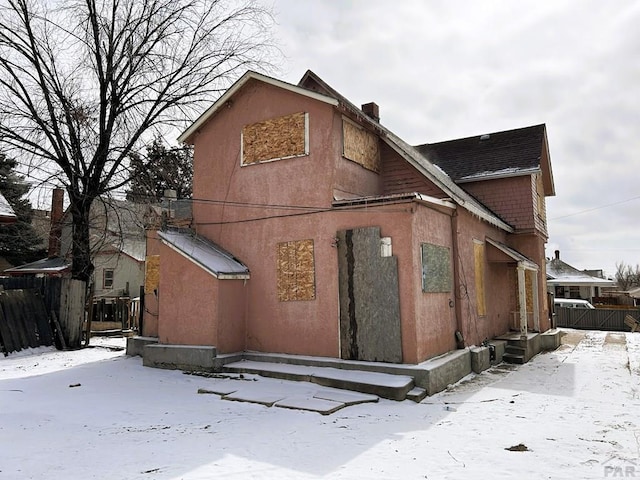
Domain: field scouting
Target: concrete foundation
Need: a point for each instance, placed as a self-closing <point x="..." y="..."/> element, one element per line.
<point x="499" y="347"/>
<point x="135" y="345"/>
<point x="432" y="376"/>
<point x="480" y="359"/>
<point x="445" y="370"/>
<point x="180" y="357"/>
<point x="550" y="340"/>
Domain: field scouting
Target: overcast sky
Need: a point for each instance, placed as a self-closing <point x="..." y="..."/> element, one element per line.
<point x="441" y="70"/>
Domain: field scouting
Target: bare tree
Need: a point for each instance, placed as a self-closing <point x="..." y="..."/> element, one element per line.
<point x="627" y="276"/>
<point x="84" y="83"/>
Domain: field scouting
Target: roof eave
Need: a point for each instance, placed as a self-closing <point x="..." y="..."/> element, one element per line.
<point x="498" y="175"/>
<point x="218" y="275"/>
<point x="447" y="185"/>
<point x="186" y="136"/>
<point x="545" y="166"/>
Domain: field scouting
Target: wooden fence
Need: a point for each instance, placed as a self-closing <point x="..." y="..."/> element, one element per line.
<point x="24" y="322"/>
<point x="595" y="319"/>
<point x="49" y="288"/>
<point x="41" y="311"/>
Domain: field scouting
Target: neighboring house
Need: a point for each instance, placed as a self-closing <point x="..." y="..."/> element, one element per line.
<point x="565" y="281"/>
<point x="117" y="230"/>
<point x="317" y="231"/>
<point x="7" y="215"/>
<point x="634" y="294"/>
<point x="54" y="264"/>
<point x="117" y="241"/>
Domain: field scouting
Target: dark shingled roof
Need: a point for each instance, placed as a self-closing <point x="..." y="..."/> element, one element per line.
<point x="507" y="152"/>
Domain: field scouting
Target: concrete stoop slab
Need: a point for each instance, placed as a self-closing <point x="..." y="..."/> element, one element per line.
<point x="247" y="395"/>
<point x="311" y="404"/>
<point x="394" y="387"/>
<point x="325" y="401"/>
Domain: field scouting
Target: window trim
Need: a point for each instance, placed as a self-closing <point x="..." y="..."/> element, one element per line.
<point x="104" y="278"/>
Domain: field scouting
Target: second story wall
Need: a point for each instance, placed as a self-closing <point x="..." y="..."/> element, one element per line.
<point x="267" y="148"/>
<point x="358" y="163"/>
<point x="399" y="177"/>
<point x="514" y="199"/>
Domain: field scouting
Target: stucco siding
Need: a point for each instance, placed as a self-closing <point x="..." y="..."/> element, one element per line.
<point x="435" y="322"/>
<point x="189" y="302"/>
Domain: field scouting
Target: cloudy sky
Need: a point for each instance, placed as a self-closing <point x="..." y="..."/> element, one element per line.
<point x="441" y="70"/>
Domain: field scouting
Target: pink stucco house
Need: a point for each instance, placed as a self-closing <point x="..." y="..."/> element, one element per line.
<point x="317" y="231"/>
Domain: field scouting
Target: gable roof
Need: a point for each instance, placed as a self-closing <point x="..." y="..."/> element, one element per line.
<point x="561" y="273"/>
<point x="513" y="254"/>
<point x="54" y="265"/>
<point x="204" y="253"/>
<point x="247" y="77"/>
<point x="500" y="154"/>
<point x="410" y="154"/>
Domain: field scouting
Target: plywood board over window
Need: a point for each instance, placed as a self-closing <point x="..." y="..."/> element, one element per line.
<point x="360" y="145"/>
<point x="296" y="271"/>
<point x="276" y="139"/>
<point x="436" y="268"/>
<point x="151" y="273"/>
<point x="479" y="260"/>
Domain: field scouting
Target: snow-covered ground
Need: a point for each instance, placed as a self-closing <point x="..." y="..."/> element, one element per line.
<point x="97" y="414"/>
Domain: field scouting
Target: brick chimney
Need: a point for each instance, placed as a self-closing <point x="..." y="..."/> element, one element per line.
<point x="55" y="231"/>
<point x="371" y="110"/>
<point x="557" y="254"/>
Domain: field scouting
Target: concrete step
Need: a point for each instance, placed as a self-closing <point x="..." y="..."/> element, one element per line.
<point x="514" y="358"/>
<point x="416" y="394"/>
<point x="516" y="350"/>
<point x="394" y="387"/>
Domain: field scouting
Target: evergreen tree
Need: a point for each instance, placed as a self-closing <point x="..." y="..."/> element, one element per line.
<point x="160" y="169"/>
<point x="19" y="242"/>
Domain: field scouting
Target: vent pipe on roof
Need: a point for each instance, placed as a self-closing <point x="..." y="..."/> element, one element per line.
<point x="371" y="110"/>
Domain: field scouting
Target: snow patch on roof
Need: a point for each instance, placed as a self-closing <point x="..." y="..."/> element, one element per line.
<point x="205" y="254"/>
<point x="505" y="172"/>
<point x="5" y="208"/>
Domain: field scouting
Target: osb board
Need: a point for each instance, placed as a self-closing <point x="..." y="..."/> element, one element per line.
<point x="276" y="138"/>
<point x="151" y="273"/>
<point x="360" y="146"/>
<point x="478" y="257"/>
<point x="436" y="268"/>
<point x="296" y="271"/>
<point x="529" y="278"/>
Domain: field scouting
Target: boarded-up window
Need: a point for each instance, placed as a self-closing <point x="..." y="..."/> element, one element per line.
<point x="529" y="278"/>
<point x="275" y="139"/>
<point x="436" y="268"/>
<point x="360" y="145"/>
<point x="151" y="273"/>
<point x="478" y="257"/>
<point x="296" y="271"/>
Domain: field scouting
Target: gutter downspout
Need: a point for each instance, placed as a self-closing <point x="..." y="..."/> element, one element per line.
<point x="457" y="303"/>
